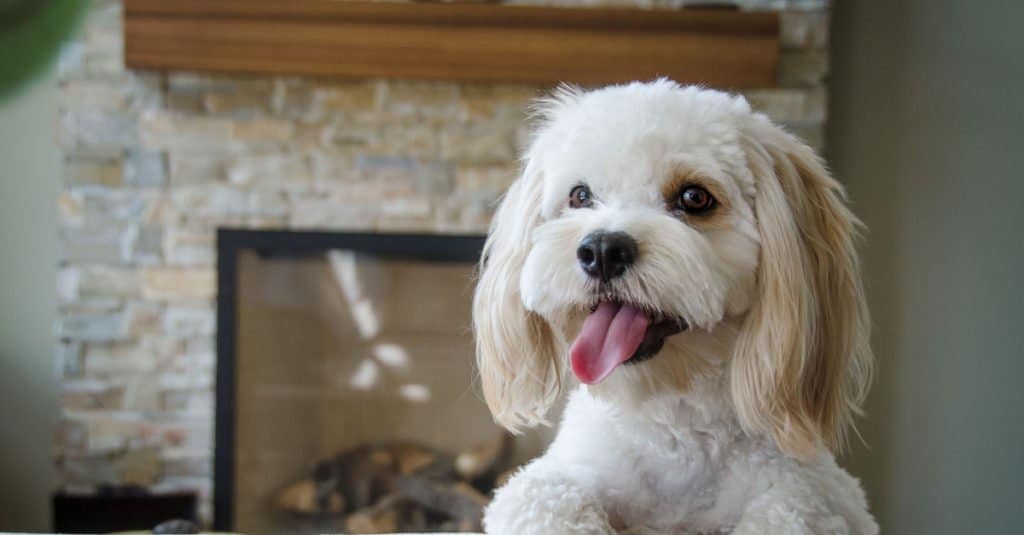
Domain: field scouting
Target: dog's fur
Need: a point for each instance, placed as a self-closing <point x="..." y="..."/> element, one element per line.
<point x="731" y="426"/>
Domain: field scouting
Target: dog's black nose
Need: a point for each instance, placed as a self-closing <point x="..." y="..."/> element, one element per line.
<point x="606" y="255"/>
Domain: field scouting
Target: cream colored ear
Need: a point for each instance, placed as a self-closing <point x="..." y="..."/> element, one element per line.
<point x="803" y="361"/>
<point x="517" y="352"/>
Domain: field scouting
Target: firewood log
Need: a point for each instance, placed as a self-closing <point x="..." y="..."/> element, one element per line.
<point x="484" y="457"/>
<point x="458" y="500"/>
<point x="303" y="497"/>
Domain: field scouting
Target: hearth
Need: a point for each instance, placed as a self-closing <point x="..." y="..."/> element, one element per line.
<point x="346" y="393"/>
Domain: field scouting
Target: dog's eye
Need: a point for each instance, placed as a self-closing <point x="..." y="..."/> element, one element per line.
<point x="695" y="200"/>
<point x="580" y="197"/>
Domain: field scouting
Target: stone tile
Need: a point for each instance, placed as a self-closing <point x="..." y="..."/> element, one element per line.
<point x="803" y="69"/>
<point x="192" y="167"/>
<point x="190" y="247"/>
<point x="93" y="172"/>
<point x="145" y="168"/>
<point x="804" y="29"/>
<point x="106" y="281"/>
<point x="490" y="180"/>
<point x="419" y="99"/>
<point x="98" y="128"/>
<point x="263" y="130"/>
<point x="174" y="284"/>
<point x="161" y="130"/>
<point x="790" y="105"/>
<point x="485" y="102"/>
<point x="270" y="170"/>
<point x="489" y="143"/>
<point x="93" y="327"/>
<point x="189" y="321"/>
<point x="345" y="96"/>
<point x="330" y="214"/>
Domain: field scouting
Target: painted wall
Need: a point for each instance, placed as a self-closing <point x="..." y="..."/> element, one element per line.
<point x="927" y="129"/>
<point x="29" y="176"/>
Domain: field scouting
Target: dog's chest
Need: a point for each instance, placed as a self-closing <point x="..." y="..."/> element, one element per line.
<point x="674" y="492"/>
<point x="676" y="482"/>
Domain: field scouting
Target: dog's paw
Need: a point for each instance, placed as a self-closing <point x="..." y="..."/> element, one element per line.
<point x="541" y="506"/>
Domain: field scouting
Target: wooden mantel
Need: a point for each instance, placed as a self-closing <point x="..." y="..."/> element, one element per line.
<point x="454" y="41"/>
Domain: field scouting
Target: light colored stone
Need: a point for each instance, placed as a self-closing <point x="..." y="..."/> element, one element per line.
<point x="91" y="128"/>
<point x="346" y="96"/>
<point x="195" y="247"/>
<point x="486" y="102"/>
<point x="188" y="321"/>
<point x="161" y="130"/>
<point x="106" y="281"/>
<point x="142" y="393"/>
<point x="97" y="243"/>
<point x="263" y="130"/>
<point x="93" y="172"/>
<point x="193" y="167"/>
<point x="804" y="29"/>
<point x="488" y="143"/>
<point x="270" y="170"/>
<point x="328" y="214"/>
<point x="68" y="359"/>
<point x="491" y="180"/>
<point x="145" y="168"/>
<point x="173" y="284"/>
<point x="93" y="327"/>
<point x="419" y="99"/>
<point x="790" y="105"/>
<point x="803" y="69"/>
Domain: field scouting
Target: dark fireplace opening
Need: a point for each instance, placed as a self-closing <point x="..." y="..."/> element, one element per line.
<point x="346" y="390"/>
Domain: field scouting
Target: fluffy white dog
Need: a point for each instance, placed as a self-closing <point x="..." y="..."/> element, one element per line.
<point x="694" y="265"/>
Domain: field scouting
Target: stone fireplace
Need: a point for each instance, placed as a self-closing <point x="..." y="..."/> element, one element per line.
<point x="156" y="163"/>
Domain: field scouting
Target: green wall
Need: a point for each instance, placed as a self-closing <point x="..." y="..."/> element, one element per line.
<point x="29" y="176"/>
<point x="927" y="130"/>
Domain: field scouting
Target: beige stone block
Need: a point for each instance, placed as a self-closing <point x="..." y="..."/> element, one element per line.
<point x="803" y="69"/>
<point x="142" y="393"/>
<point x="790" y="105"/>
<point x="107" y="281"/>
<point x="79" y="171"/>
<point x="98" y="128"/>
<point x="172" y="284"/>
<point x="346" y="96"/>
<point x="328" y="214"/>
<point x="164" y="130"/>
<point x="488" y="102"/>
<point x="190" y="167"/>
<point x="274" y="170"/>
<point x="804" y="29"/>
<point x="419" y="99"/>
<point x="492" y="180"/>
<point x="263" y="130"/>
<point x="240" y="102"/>
<point x="190" y="247"/>
<point x="140" y="467"/>
<point x="189" y="321"/>
<point x="489" y="143"/>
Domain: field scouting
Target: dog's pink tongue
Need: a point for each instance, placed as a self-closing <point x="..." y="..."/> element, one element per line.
<point x="609" y="337"/>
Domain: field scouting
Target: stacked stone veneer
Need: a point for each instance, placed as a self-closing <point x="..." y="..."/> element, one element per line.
<point x="154" y="163"/>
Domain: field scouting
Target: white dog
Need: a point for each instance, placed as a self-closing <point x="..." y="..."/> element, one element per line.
<point x="694" y="265"/>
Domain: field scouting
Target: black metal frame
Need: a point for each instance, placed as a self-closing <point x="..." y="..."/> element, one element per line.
<point x="425" y="247"/>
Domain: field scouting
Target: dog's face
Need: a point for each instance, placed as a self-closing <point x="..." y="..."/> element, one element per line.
<point x="657" y="230"/>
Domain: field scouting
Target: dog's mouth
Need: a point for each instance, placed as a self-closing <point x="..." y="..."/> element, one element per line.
<point x="619" y="333"/>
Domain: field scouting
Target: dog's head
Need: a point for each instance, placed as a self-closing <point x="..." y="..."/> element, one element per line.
<point x="658" y="231"/>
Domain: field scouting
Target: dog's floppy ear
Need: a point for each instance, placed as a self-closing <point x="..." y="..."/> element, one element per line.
<point x="803" y="362"/>
<point x="516" y="350"/>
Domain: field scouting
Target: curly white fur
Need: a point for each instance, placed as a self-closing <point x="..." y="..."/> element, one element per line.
<point x="730" y="427"/>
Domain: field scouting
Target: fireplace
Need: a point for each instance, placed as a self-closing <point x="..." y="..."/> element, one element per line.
<point x="338" y="351"/>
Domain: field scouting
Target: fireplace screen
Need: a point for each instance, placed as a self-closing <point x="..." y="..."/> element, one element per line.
<point x="355" y="403"/>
